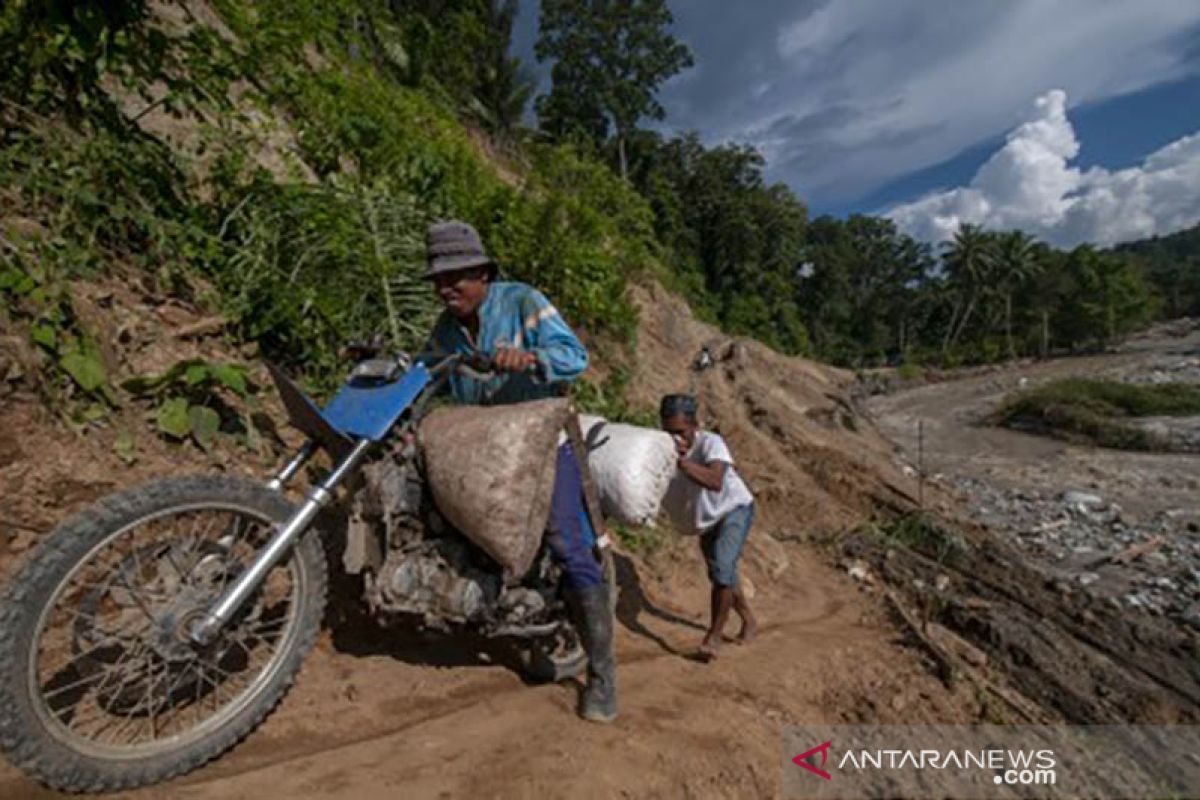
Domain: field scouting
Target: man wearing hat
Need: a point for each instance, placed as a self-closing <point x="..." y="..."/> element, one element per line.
<point x="529" y="341"/>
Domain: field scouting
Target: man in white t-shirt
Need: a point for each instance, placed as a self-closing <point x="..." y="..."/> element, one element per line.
<point x="724" y="511"/>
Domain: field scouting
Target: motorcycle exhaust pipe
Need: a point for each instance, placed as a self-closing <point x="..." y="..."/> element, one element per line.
<point x="204" y="631"/>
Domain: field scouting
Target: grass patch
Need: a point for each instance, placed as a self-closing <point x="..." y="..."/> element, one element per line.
<point x="921" y="534"/>
<point x="642" y="540"/>
<point x="1091" y="411"/>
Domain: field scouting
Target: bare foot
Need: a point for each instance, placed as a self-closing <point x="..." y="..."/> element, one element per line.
<point x="709" y="648"/>
<point x="749" y="632"/>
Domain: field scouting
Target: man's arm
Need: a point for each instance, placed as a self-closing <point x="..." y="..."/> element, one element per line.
<point x="560" y="354"/>
<point x="715" y="459"/>
<point x="710" y="476"/>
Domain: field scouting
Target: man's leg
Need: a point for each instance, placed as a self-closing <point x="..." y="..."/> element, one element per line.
<point x="572" y="541"/>
<point x="740" y="605"/>
<point x="721" y="601"/>
<point x="723" y="549"/>
<point x="749" y="623"/>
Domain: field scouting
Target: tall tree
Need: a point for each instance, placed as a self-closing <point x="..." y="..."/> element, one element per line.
<point x="1016" y="262"/>
<point x="968" y="260"/>
<point x="1110" y="296"/>
<point x="1172" y="264"/>
<point x="610" y="57"/>
<point x="860" y="288"/>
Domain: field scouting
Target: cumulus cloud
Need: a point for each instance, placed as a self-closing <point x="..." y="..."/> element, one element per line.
<point x="843" y="97"/>
<point x="1029" y="183"/>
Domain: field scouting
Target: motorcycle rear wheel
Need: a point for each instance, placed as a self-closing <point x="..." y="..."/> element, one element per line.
<point x="98" y="679"/>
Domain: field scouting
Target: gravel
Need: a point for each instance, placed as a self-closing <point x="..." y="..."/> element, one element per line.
<point x="1075" y="536"/>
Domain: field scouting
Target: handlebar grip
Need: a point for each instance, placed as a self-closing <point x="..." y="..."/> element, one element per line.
<point x="482" y="367"/>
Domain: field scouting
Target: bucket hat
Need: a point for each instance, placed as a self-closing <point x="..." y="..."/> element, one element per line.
<point x="454" y="245"/>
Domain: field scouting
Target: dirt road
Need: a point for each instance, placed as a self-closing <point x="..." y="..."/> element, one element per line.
<point x="387" y="717"/>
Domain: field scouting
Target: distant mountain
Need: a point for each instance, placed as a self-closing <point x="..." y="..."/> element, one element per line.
<point x="1172" y="263"/>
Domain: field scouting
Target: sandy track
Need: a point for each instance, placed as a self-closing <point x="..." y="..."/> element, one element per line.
<point x="384" y="723"/>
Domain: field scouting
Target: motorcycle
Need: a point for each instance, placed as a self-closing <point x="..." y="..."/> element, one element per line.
<point x="151" y="632"/>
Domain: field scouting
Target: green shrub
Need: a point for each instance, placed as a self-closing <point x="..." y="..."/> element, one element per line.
<point x="1089" y="410"/>
<point x="299" y="268"/>
<point x="918" y="532"/>
<point x="76" y="382"/>
<point x="608" y="399"/>
<point x="197" y="399"/>
<point x="642" y="540"/>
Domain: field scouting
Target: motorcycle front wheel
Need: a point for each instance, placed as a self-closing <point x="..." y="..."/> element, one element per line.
<point x="100" y="687"/>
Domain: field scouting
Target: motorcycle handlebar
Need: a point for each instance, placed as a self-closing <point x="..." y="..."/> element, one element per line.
<point x="475" y="365"/>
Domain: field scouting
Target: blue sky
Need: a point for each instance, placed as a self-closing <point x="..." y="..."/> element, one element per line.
<point x="1115" y="133"/>
<point x="875" y="106"/>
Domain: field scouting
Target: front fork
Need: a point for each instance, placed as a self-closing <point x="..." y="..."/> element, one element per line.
<point x="206" y="628"/>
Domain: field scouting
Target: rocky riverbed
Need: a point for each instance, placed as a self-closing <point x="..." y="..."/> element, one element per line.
<point x="1121" y="526"/>
<point x="1084" y="539"/>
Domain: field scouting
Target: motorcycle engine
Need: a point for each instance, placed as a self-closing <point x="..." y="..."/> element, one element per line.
<point x="437" y="581"/>
<point x="414" y="562"/>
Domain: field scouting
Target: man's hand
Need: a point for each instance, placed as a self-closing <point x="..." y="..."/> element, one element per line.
<point x="510" y="359"/>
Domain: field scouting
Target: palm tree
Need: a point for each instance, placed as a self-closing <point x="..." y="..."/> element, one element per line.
<point x="968" y="260"/>
<point x="1017" y="261"/>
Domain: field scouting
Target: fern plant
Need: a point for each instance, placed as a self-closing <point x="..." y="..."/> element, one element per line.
<point x="311" y="267"/>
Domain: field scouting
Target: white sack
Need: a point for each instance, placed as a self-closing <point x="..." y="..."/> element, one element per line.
<point x="631" y="468"/>
<point x="680" y="502"/>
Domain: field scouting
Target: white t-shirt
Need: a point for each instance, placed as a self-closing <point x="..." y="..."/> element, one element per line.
<point x="688" y="501"/>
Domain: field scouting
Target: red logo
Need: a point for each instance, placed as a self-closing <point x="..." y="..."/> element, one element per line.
<point x="802" y="760"/>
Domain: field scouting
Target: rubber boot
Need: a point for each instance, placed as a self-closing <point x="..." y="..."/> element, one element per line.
<point x="599" y="702"/>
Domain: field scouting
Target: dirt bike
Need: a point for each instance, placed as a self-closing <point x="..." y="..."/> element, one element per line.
<point x="151" y="632"/>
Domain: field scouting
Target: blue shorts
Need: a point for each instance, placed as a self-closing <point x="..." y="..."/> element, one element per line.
<point x="722" y="545"/>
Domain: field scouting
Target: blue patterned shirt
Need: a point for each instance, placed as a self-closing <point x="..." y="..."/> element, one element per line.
<point x="512" y="315"/>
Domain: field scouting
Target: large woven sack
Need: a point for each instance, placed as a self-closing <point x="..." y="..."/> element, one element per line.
<point x="491" y="470"/>
<point x="679" y="504"/>
<point x="631" y="466"/>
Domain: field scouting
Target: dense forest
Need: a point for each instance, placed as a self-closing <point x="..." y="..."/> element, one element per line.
<point x="1172" y="263"/>
<point x="284" y="156"/>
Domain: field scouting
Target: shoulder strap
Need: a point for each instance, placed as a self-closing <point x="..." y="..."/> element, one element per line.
<point x="590" y="496"/>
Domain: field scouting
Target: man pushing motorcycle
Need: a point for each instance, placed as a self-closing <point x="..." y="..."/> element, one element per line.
<point x="532" y="344"/>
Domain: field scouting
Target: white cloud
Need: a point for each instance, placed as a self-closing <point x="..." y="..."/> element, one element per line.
<point x="1029" y="183"/>
<point x="860" y="93"/>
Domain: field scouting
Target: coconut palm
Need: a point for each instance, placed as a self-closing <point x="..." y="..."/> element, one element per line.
<point x="1016" y="262"/>
<point x="969" y="261"/>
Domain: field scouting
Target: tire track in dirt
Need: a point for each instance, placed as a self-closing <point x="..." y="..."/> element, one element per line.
<point x="495" y="713"/>
<point x="817" y="656"/>
<point x="492" y="690"/>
